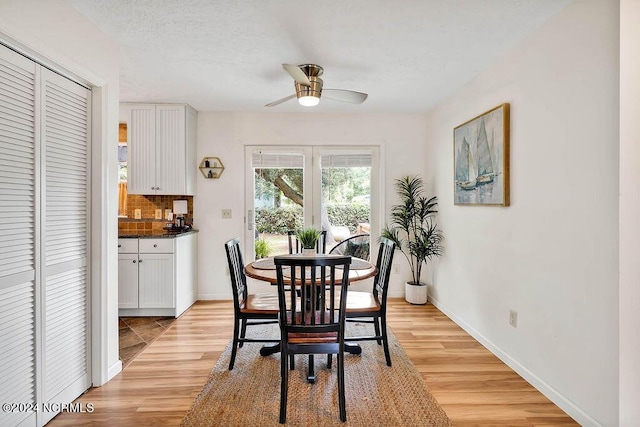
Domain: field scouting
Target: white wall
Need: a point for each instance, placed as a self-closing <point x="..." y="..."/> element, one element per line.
<point x="553" y="254"/>
<point x="54" y="33"/>
<point x="629" y="213"/>
<point x="402" y="141"/>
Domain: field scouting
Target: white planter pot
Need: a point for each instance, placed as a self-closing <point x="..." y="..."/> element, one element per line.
<point x="415" y="294"/>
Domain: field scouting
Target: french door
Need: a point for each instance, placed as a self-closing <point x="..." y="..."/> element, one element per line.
<point x="336" y="189"/>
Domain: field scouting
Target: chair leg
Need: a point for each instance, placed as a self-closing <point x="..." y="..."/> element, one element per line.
<point x="341" y="397"/>
<point x="385" y="340"/>
<point x="292" y="362"/>
<point x="329" y="360"/>
<point x="284" y="387"/>
<point x="243" y="331"/>
<point x="376" y="326"/>
<point x="311" y="374"/>
<point x="234" y="349"/>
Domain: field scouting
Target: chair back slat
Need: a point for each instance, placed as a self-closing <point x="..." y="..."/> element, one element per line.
<point x="385" y="258"/>
<point x="236" y="272"/>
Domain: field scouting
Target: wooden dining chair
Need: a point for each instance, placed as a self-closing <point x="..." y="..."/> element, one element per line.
<point x="295" y="247"/>
<point x="312" y="321"/>
<point x="248" y="309"/>
<point x="373" y="305"/>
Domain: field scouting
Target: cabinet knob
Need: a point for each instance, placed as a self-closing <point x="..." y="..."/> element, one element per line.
<point x="140" y="261"/>
<point x="134" y="261"/>
<point x="119" y="246"/>
<point x="155" y="245"/>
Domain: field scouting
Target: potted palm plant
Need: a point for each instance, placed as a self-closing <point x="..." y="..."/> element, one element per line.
<point x="415" y="232"/>
<point x="308" y="237"/>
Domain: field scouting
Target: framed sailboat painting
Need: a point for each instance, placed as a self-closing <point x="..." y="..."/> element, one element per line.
<point x="481" y="159"/>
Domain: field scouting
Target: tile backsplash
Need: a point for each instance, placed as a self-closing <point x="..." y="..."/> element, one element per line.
<point x="148" y="206"/>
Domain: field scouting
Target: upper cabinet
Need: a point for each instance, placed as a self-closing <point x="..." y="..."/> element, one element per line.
<point x="161" y="148"/>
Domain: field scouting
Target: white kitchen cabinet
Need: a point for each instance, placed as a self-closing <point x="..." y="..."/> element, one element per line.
<point x="156" y="281"/>
<point x="159" y="279"/>
<point x="161" y="149"/>
<point x="128" y="280"/>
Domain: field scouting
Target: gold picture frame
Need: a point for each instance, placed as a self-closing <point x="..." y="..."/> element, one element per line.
<point x="481" y="159"/>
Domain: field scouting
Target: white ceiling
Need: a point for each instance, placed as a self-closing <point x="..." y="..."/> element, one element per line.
<point x="226" y="55"/>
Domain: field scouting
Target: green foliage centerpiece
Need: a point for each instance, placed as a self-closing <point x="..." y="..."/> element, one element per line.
<point x="262" y="248"/>
<point x="308" y="237"/>
<point x="413" y="227"/>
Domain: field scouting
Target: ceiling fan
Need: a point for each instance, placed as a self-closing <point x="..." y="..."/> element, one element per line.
<point x="309" y="87"/>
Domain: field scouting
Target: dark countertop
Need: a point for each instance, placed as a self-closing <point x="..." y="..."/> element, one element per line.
<point x="155" y="234"/>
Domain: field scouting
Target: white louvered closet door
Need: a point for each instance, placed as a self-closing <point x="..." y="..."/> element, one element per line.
<point x="18" y="281"/>
<point x="65" y="154"/>
<point x="44" y="240"/>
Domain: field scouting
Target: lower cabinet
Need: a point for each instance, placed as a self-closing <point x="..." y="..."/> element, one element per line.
<point x="156" y="287"/>
<point x="156" y="276"/>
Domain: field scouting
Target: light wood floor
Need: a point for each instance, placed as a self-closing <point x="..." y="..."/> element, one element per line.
<point x="473" y="386"/>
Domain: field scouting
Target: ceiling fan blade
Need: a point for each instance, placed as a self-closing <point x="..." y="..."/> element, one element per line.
<point x="297" y="74"/>
<point x="344" y="95"/>
<point x="280" y="101"/>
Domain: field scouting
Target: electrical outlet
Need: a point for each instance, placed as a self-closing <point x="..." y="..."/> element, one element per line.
<point x="396" y="269"/>
<point x="137" y="214"/>
<point x="227" y="272"/>
<point x="513" y="318"/>
<point x="158" y="213"/>
<point x="226" y="213"/>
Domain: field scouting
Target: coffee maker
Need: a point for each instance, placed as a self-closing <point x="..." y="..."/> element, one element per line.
<point x="179" y="210"/>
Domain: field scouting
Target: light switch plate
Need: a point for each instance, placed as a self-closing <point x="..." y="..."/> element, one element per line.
<point x="137" y="214"/>
<point x="226" y="213"/>
<point x="158" y="213"/>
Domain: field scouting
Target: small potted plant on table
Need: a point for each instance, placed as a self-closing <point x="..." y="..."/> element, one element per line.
<point x="415" y="232"/>
<point x="308" y="238"/>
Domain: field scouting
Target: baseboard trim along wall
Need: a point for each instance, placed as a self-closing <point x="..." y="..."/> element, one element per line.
<point x="551" y="393"/>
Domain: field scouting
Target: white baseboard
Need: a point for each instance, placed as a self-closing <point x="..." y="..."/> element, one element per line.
<point x="214" y="297"/>
<point x="551" y="393"/>
<point x="114" y="370"/>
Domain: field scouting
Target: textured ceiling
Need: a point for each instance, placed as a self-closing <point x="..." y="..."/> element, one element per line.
<point x="226" y="55"/>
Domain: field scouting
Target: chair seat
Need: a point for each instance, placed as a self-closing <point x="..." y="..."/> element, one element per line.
<point x="261" y="303"/>
<point x="329" y="337"/>
<point x="314" y="337"/>
<point x="361" y="302"/>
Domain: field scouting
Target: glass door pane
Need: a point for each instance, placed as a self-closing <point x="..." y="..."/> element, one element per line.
<point x="336" y="189"/>
<point x="345" y="201"/>
<point x="277" y="203"/>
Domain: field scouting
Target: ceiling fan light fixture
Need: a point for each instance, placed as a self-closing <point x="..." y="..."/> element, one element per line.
<point x="308" y="84"/>
<point x="309" y="100"/>
<point x="309" y="96"/>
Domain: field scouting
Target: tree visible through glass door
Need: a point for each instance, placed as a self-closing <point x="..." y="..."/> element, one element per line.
<point x="328" y="188"/>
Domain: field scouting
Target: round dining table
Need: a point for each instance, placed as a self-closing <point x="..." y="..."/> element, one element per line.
<point x="265" y="270"/>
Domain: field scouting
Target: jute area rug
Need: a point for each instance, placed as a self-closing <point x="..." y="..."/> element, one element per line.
<point x="376" y="395"/>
